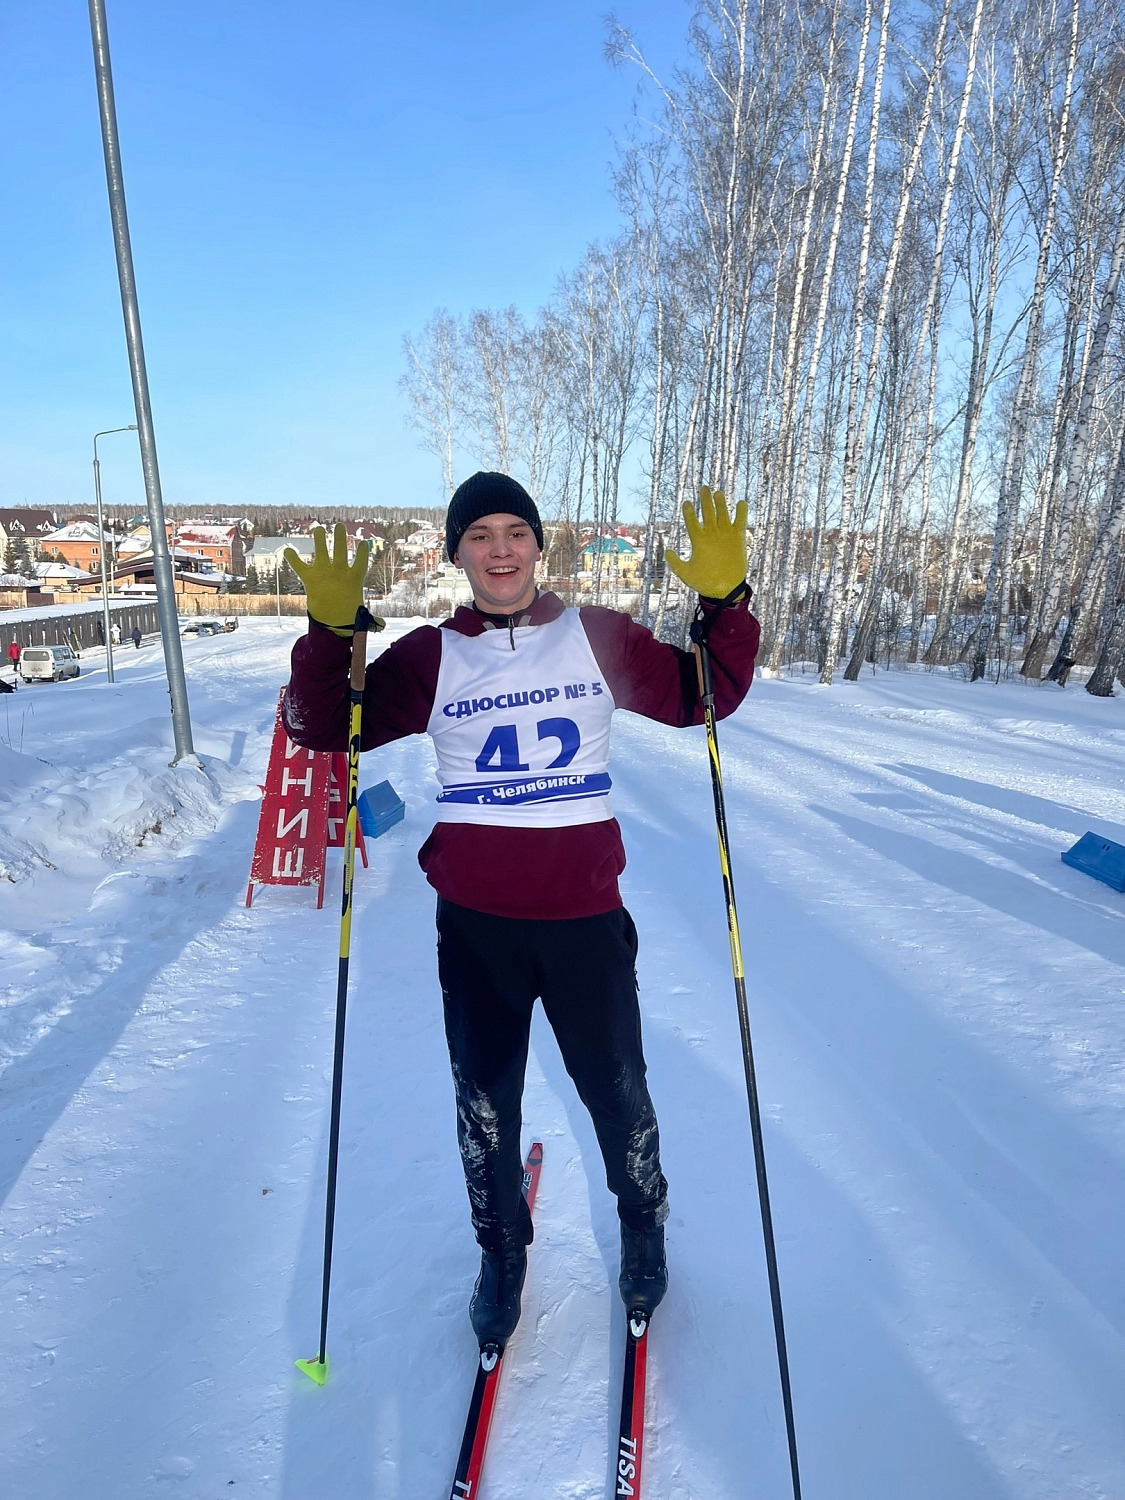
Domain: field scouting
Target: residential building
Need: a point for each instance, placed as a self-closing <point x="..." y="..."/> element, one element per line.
<point x="64" y="577"/>
<point x="135" y="573"/>
<point x="220" y="545"/>
<point x="628" y="559"/>
<point x="23" y="525"/>
<point x="265" y="554"/>
<point x="79" y="544"/>
<point x="365" y="531"/>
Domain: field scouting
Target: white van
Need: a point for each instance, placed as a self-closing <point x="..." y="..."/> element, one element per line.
<point x="47" y="663"/>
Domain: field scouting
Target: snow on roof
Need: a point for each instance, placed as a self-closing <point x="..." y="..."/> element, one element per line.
<point x="213" y="536"/>
<point x="76" y="531"/>
<point x="59" y="611"/>
<point x="302" y="545"/>
<point x="59" y="570"/>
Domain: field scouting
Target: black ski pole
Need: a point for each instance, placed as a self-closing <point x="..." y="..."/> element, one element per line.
<point x="707" y="694"/>
<point x="317" y="1369"/>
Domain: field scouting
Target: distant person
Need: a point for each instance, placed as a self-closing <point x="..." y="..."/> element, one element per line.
<point x="136" y="637"/>
<point x="14" y="653"/>
<point x="115" y="633"/>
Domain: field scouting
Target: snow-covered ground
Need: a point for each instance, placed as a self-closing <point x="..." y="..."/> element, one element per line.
<point x="938" y="1007"/>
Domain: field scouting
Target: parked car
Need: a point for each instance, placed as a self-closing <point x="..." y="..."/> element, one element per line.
<point x="201" y="627"/>
<point x="48" y="663"/>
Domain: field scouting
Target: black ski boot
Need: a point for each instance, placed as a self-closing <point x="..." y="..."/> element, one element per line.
<point x="644" y="1271"/>
<point x="494" y="1309"/>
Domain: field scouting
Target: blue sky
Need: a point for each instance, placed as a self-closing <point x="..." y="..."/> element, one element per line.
<point x="306" y="183"/>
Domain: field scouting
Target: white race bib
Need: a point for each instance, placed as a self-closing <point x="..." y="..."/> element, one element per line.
<point x="522" y="737"/>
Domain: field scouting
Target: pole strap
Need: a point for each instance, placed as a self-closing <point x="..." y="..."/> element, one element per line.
<point x="705" y="618"/>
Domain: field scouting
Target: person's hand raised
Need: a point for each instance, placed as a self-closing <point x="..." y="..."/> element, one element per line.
<point x="717" y="564"/>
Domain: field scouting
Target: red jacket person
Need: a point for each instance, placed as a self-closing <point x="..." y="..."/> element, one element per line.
<point x="517" y="692"/>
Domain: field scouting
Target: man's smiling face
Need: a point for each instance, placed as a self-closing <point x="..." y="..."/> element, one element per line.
<point x="498" y="554"/>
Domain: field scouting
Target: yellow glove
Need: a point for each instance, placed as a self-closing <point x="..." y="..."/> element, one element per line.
<point x="333" y="586"/>
<point x="718" y="547"/>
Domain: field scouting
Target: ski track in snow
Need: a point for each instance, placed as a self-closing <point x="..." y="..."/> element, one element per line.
<point x="938" y="1023"/>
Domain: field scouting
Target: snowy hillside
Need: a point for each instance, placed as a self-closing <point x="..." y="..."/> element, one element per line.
<point x="938" y="1007"/>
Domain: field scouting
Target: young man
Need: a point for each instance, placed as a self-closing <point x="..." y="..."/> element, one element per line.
<point x="517" y="692"/>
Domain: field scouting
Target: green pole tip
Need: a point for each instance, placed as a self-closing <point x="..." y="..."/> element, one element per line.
<point x="315" y="1369"/>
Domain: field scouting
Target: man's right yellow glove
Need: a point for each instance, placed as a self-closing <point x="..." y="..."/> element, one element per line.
<point x="718" y="547"/>
<point x="333" y="586"/>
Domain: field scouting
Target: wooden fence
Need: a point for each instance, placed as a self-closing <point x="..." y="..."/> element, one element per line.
<point x="75" y="627"/>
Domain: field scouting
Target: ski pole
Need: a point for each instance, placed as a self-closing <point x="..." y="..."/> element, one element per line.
<point x="317" y="1369"/>
<point x="707" y="694"/>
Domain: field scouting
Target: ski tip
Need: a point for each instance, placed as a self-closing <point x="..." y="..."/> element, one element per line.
<point x="315" y="1369"/>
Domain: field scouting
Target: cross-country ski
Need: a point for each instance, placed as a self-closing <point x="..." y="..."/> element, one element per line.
<point x="490" y="1363"/>
<point x="631" y="1431"/>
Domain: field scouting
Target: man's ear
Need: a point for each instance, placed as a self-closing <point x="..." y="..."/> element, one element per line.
<point x="456" y="560"/>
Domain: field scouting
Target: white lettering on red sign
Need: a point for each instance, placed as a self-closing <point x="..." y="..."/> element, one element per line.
<point x="288" y="780"/>
<point x="294" y="863"/>
<point x="301" y="818"/>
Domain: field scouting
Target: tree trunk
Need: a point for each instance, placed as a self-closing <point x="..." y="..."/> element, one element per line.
<point x="1076" y="466"/>
<point x="1108" y="532"/>
<point x="858" y="421"/>
<point x="998" y="584"/>
<point x="1111" y="662"/>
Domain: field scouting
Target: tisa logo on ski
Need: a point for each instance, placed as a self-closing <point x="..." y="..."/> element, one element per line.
<point x="626" y="1465"/>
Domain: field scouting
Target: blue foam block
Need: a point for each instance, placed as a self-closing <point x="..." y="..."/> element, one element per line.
<point x="380" y="807"/>
<point x="1101" y="858"/>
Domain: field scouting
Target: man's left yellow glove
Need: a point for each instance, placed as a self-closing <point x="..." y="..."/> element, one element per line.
<point x="717" y="564"/>
<point x="333" y="586"/>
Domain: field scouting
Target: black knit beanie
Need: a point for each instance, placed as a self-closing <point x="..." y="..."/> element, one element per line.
<point x="486" y="494"/>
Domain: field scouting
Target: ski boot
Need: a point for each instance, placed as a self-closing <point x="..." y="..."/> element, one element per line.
<point x="644" y="1271"/>
<point x="494" y="1309"/>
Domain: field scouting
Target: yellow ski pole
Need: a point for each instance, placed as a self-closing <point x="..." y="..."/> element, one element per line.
<point x="317" y="1369"/>
<point x="707" y="694"/>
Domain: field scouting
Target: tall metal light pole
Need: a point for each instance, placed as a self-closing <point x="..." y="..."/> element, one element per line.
<point x="161" y="557"/>
<point x="106" y="628"/>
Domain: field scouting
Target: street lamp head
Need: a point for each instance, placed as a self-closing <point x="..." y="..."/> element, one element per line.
<point x="106" y="432"/>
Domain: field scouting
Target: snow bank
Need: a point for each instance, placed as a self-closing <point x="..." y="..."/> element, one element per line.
<point x="52" y="818"/>
<point x="938" y="1023"/>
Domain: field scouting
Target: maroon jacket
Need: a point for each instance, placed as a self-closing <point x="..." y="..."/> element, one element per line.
<point x="551" y="873"/>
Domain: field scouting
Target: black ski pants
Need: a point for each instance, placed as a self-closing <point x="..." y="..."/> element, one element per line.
<point x="492" y="970"/>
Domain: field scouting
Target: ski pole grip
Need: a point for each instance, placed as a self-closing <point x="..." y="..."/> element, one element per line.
<point x="699" y="631"/>
<point x="364" y="621"/>
<point x="703" y="673"/>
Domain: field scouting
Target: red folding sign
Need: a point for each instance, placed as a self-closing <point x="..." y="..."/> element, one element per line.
<point x="303" y="814"/>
